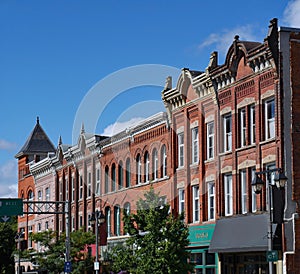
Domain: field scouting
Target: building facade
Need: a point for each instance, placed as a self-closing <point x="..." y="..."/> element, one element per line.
<point x="222" y="127"/>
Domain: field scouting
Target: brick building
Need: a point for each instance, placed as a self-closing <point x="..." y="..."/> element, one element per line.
<point x="221" y="126"/>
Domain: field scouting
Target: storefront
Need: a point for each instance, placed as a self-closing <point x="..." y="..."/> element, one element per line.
<point x="242" y="244"/>
<point x="200" y="237"/>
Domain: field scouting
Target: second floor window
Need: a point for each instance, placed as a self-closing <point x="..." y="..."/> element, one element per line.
<point x="244" y="192"/>
<point x="155" y="165"/>
<point x="128" y="173"/>
<point x="195" y="204"/>
<point x="113" y="177"/>
<point x="164" y="161"/>
<point x="195" y="149"/>
<point x="242" y="124"/>
<point x="147" y="167"/>
<point x="97" y="181"/>
<point x="80" y="187"/>
<point x="211" y="200"/>
<point x="253" y="193"/>
<point x="252" y="124"/>
<point x="73" y="189"/>
<point x="180" y="200"/>
<point x="139" y="169"/>
<point x="227" y="128"/>
<point x="89" y="186"/>
<point x="228" y="199"/>
<point x="180" y="150"/>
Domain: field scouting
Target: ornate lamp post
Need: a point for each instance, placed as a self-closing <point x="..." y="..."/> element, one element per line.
<point x="97" y="219"/>
<point x="257" y="184"/>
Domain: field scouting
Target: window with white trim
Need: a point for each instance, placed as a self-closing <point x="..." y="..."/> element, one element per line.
<point x="120" y="175"/>
<point x="128" y="177"/>
<point x="47" y="196"/>
<point x="180" y="138"/>
<point x="253" y="202"/>
<point x="147" y="167"/>
<point x="270" y="118"/>
<point x="244" y="192"/>
<point x="139" y="169"/>
<point x="117" y="220"/>
<point x="227" y="129"/>
<point x="113" y="177"/>
<point x="40" y="198"/>
<point x="211" y="202"/>
<point x="89" y="185"/>
<point x="195" y="145"/>
<point x="252" y="124"/>
<point x="73" y="189"/>
<point x="195" y="203"/>
<point x="180" y="200"/>
<point x="67" y="189"/>
<point x="80" y="187"/>
<point x="155" y="164"/>
<point x="243" y="127"/>
<point x="97" y="181"/>
<point x="108" y="221"/>
<point x="164" y="161"/>
<point x="228" y="199"/>
<point x="210" y="140"/>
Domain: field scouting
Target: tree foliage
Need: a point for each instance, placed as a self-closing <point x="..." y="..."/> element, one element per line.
<point x="7" y="246"/>
<point x="158" y="240"/>
<point x="52" y="254"/>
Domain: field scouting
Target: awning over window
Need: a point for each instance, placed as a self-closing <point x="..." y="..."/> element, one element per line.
<point x="241" y="234"/>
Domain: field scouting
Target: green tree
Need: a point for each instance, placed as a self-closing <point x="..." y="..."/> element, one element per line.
<point x="158" y="240"/>
<point x="7" y="246"/>
<point x="52" y="257"/>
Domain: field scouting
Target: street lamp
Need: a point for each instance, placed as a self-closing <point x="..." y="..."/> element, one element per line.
<point x="97" y="219"/>
<point x="18" y="237"/>
<point x="257" y="184"/>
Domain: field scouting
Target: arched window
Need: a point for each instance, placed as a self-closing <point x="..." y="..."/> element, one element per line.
<point x="106" y="179"/>
<point x="163" y="161"/>
<point x="113" y="177"/>
<point x="108" y="221"/>
<point x="120" y="175"/>
<point x="117" y="219"/>
<point x="30" y="198"/>
<point x="139" y="169"/>
<point x="155" y="164"/>
<point x="147" y="167"/>
<point x="127" y="212"/>
<point x="128" y="172"/>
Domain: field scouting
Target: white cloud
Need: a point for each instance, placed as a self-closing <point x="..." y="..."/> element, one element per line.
<point x="119" y="126"/>
<point x="291" y="14"/>
<point x="223" y="40"/>
<point x="8" y="179"/>
<point x="5" y="145"/>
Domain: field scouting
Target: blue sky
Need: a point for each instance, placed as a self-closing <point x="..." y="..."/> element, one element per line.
<point x="53" y="53"/>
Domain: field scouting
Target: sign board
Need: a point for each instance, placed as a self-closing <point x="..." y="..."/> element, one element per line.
<point x="11" y="207"/>
<point x="4" y="219"/>
<point x="68" y="267"/>
<point x="96" y="266"/>
<point x="272" y="256"/>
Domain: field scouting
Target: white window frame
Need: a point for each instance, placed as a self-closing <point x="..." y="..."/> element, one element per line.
<point x="164" y="161"/>
<point x="244" y="191"/>
<point x="139" y="169"/>
<point x="252" y="124"/>
<point x="80" y="187"/>
<point x="254" y="195"/>
<point x="108" y="221"/>
<point x="97" y="190"/>
<point x="89" y="184"/>
<point x="181" y="201"/>
<point x="210" y="140"/>
<point x="196" y="205"/>
<point x="227" y="128"/>
<point x="147" y="168"/>
<point x="211" y="200"/>
<point x="67" y="188"/>
<point x="118" y="220"/>
<point x="40" y="198"/>
<point x="47" y="197"/>
<point x="270" y="118"/>
<point x="243" y="127"/>
<point x="180" y="138"/>
<point x="228" y="198"/>
<point x="195" y="145"/>
<point x="155" y="164"/>
<point x="73" y="189"/>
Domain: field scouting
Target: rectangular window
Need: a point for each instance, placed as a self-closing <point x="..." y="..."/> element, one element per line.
<point x="211" y="200"/>
<point x="242" y="120"/>
<point x="210" y="140"/>
<point x="228" y="194"/>
<point x="180" y="150"/>
<point x="195" y="143"/>
<point x="80" y="221"/>
<point x="253" y="204"/>
<point x="60" y="190"/>
<point x="98" y="181"/>
<point x="40" y="197"/>
<point x="227" y="127"/>
<point x="181" y="200"/>
<point x="80" y="187"/>
<point x="244" y="192"/>
<point x="89" y="186"/>
<point x="270" y="118"/>
<point x="195" y="204"/>
<point x="73" y="189"/>
<point x="67" y="189"/>
<point x="29" y="238"/>
<point x="47" y="191"/>
<point x="252" y="124"/>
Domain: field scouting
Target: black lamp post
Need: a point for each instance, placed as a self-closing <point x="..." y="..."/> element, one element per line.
<point x="97" y="219"/>
<point x="257" y="184"/>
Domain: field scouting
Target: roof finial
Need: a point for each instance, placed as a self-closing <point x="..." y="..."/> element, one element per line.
<point x="59" y="140"/>
<point x="38" y="120"/>
<point x="82" y="128"/>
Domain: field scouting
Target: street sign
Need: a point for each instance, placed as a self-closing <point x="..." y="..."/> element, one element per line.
<point x="4" y="219"/>
<point x="11" y="207"/>
<point x="96" y="266"/>
<point x="272" y="256"/>
<point x="68" y="267"/>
